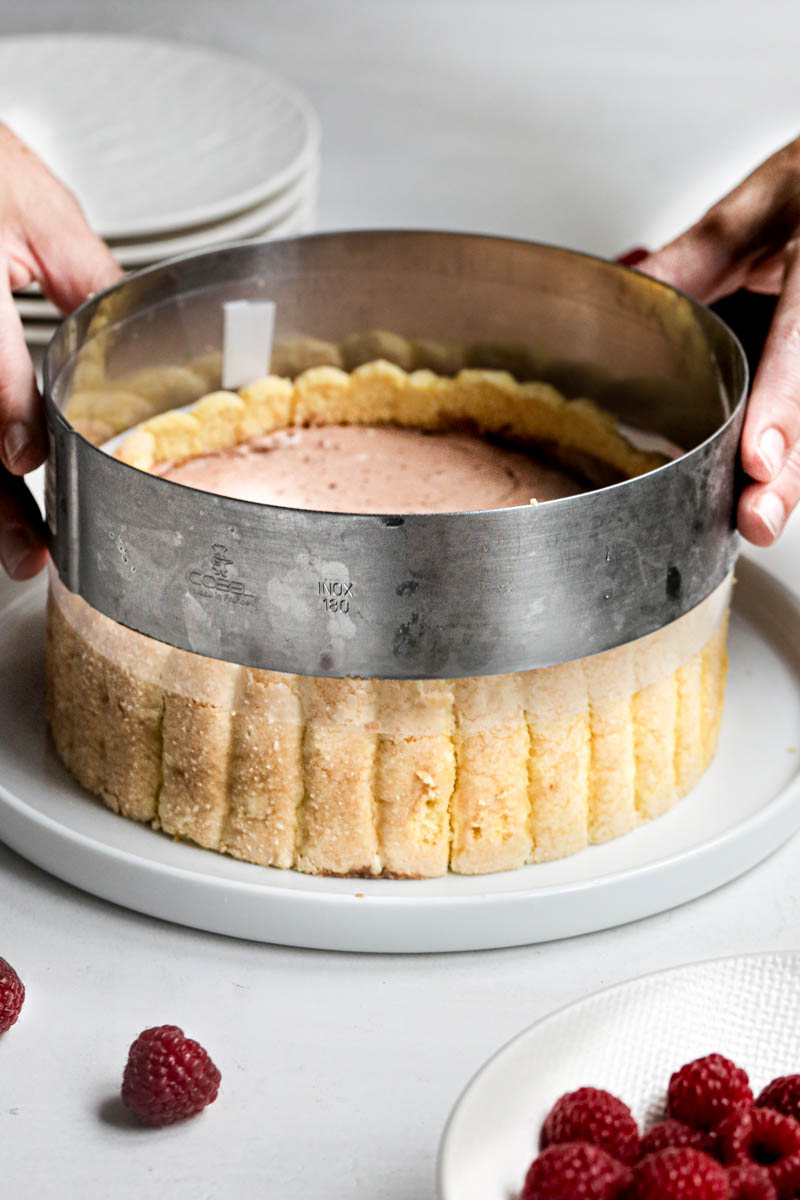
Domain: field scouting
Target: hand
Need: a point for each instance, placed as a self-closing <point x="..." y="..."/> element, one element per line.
<point x="44" y="238"/>
<point x="751" y="239"/>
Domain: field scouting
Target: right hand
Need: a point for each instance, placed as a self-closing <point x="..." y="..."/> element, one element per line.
<point x="751" y="239"/>
<point x="44" y="239"/>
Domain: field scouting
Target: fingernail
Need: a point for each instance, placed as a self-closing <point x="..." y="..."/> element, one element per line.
<point x="772" y="513"/>
<point x="16" y="439"/>
<point x="772" y="450"/>
<point x="631" y="257"/>
<point x="16" y="543"/>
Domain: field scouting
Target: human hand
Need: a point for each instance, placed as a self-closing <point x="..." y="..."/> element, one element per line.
<point x="44" y="239"/>
<point x="751" y="239"/>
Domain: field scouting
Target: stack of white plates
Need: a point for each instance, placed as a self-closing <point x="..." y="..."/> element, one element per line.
<point x="170" y="148"/>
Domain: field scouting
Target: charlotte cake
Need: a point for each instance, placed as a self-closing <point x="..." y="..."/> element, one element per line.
<point x="381" y="777"/>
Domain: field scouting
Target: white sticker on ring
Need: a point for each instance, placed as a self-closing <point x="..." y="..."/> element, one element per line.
<point x="248" y="327"/>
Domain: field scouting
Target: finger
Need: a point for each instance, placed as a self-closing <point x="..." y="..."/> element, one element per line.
<point x="765" y="508"/>
<point x="64" y="254"/>
<point x="704" y="261"/>
<point x="73" y="262"/>
<point x="23" y="552"/>
<point x="772" y="423"/>
<point x="23" y="438"/>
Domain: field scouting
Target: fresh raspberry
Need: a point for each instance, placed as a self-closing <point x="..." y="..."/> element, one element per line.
<point x="785" y="1177"/>
<point x="168" y="1076"/>
<point x="758" y="1135"/>
<point x="575" y="1171"/>
<point x="592" y="1115"/>
<point x="750" y="1182"/>
<point x="705" y="1091"/>
<point x="783" y="1095"/>
<point x="12" y="994"/>
<point x="766" y="1138"/>
<point x="679" y="1173"/>
<point x="674" y="1133"/>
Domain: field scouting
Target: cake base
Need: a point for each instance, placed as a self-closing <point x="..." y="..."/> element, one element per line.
<point x="380" y="777"/>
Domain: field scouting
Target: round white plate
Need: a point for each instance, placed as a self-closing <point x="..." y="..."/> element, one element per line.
<point x="746" y="806"/>
<point x="628" y="1039"/>
<point x="258" y="220"/>
<point x="155" y="136"/>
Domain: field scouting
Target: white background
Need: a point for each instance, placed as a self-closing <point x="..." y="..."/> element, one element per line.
<point x="596" y="124"/>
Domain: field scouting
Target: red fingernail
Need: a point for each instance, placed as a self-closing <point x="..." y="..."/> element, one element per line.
<point x="633" y="256"/>
<point x="16" y="544"/>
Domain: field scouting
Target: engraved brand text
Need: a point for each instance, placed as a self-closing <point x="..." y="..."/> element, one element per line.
<point x="215" y="581"/>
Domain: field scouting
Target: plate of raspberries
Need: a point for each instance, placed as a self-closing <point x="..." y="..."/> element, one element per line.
<point x="682" y="1085"/>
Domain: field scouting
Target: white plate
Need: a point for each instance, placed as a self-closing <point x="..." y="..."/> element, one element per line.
<point x="35" y="307"/>
<point x="257" y="220"/>
<point x="39" y="333"/>
<point x="746" y="1008"/>
<point x="746" y="806"/>
<point x="155" y="136"/>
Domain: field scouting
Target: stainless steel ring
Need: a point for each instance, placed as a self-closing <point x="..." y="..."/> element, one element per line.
<point x="430" y="596"/>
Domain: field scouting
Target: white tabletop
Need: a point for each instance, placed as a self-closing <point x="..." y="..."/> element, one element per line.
<point x="593" y="123"/>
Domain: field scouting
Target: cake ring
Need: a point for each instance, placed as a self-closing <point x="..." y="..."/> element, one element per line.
<point x="408" y="692"/>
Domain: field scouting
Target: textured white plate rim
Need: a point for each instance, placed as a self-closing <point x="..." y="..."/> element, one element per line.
<point x="535" y="1029"/>
<point x="202" y="213"/>
<point x="751" y="839"/>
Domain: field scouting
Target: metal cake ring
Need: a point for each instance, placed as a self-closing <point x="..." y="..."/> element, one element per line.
<point x="425" y="596"/>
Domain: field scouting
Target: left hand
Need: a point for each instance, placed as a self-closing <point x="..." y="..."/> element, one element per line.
<point x="44" y="238"/>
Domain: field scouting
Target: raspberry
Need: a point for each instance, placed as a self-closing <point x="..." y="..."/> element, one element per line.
<point x="749" y="1182"/>
<point x="705" y="1091"/>
<point x="767" y="1139"/>
<point x="674" y="1133"/>
<point x="168" y="1076"/>
<point x="575" y="1171"/>
<point x="758" y="1135"/>
<point x="679" y="1173"/>
<point x="12" y="994"/>
<point x="594" y="1116"/>
<point x="783" y="1094"/>
<point x="785" y="1177"/>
